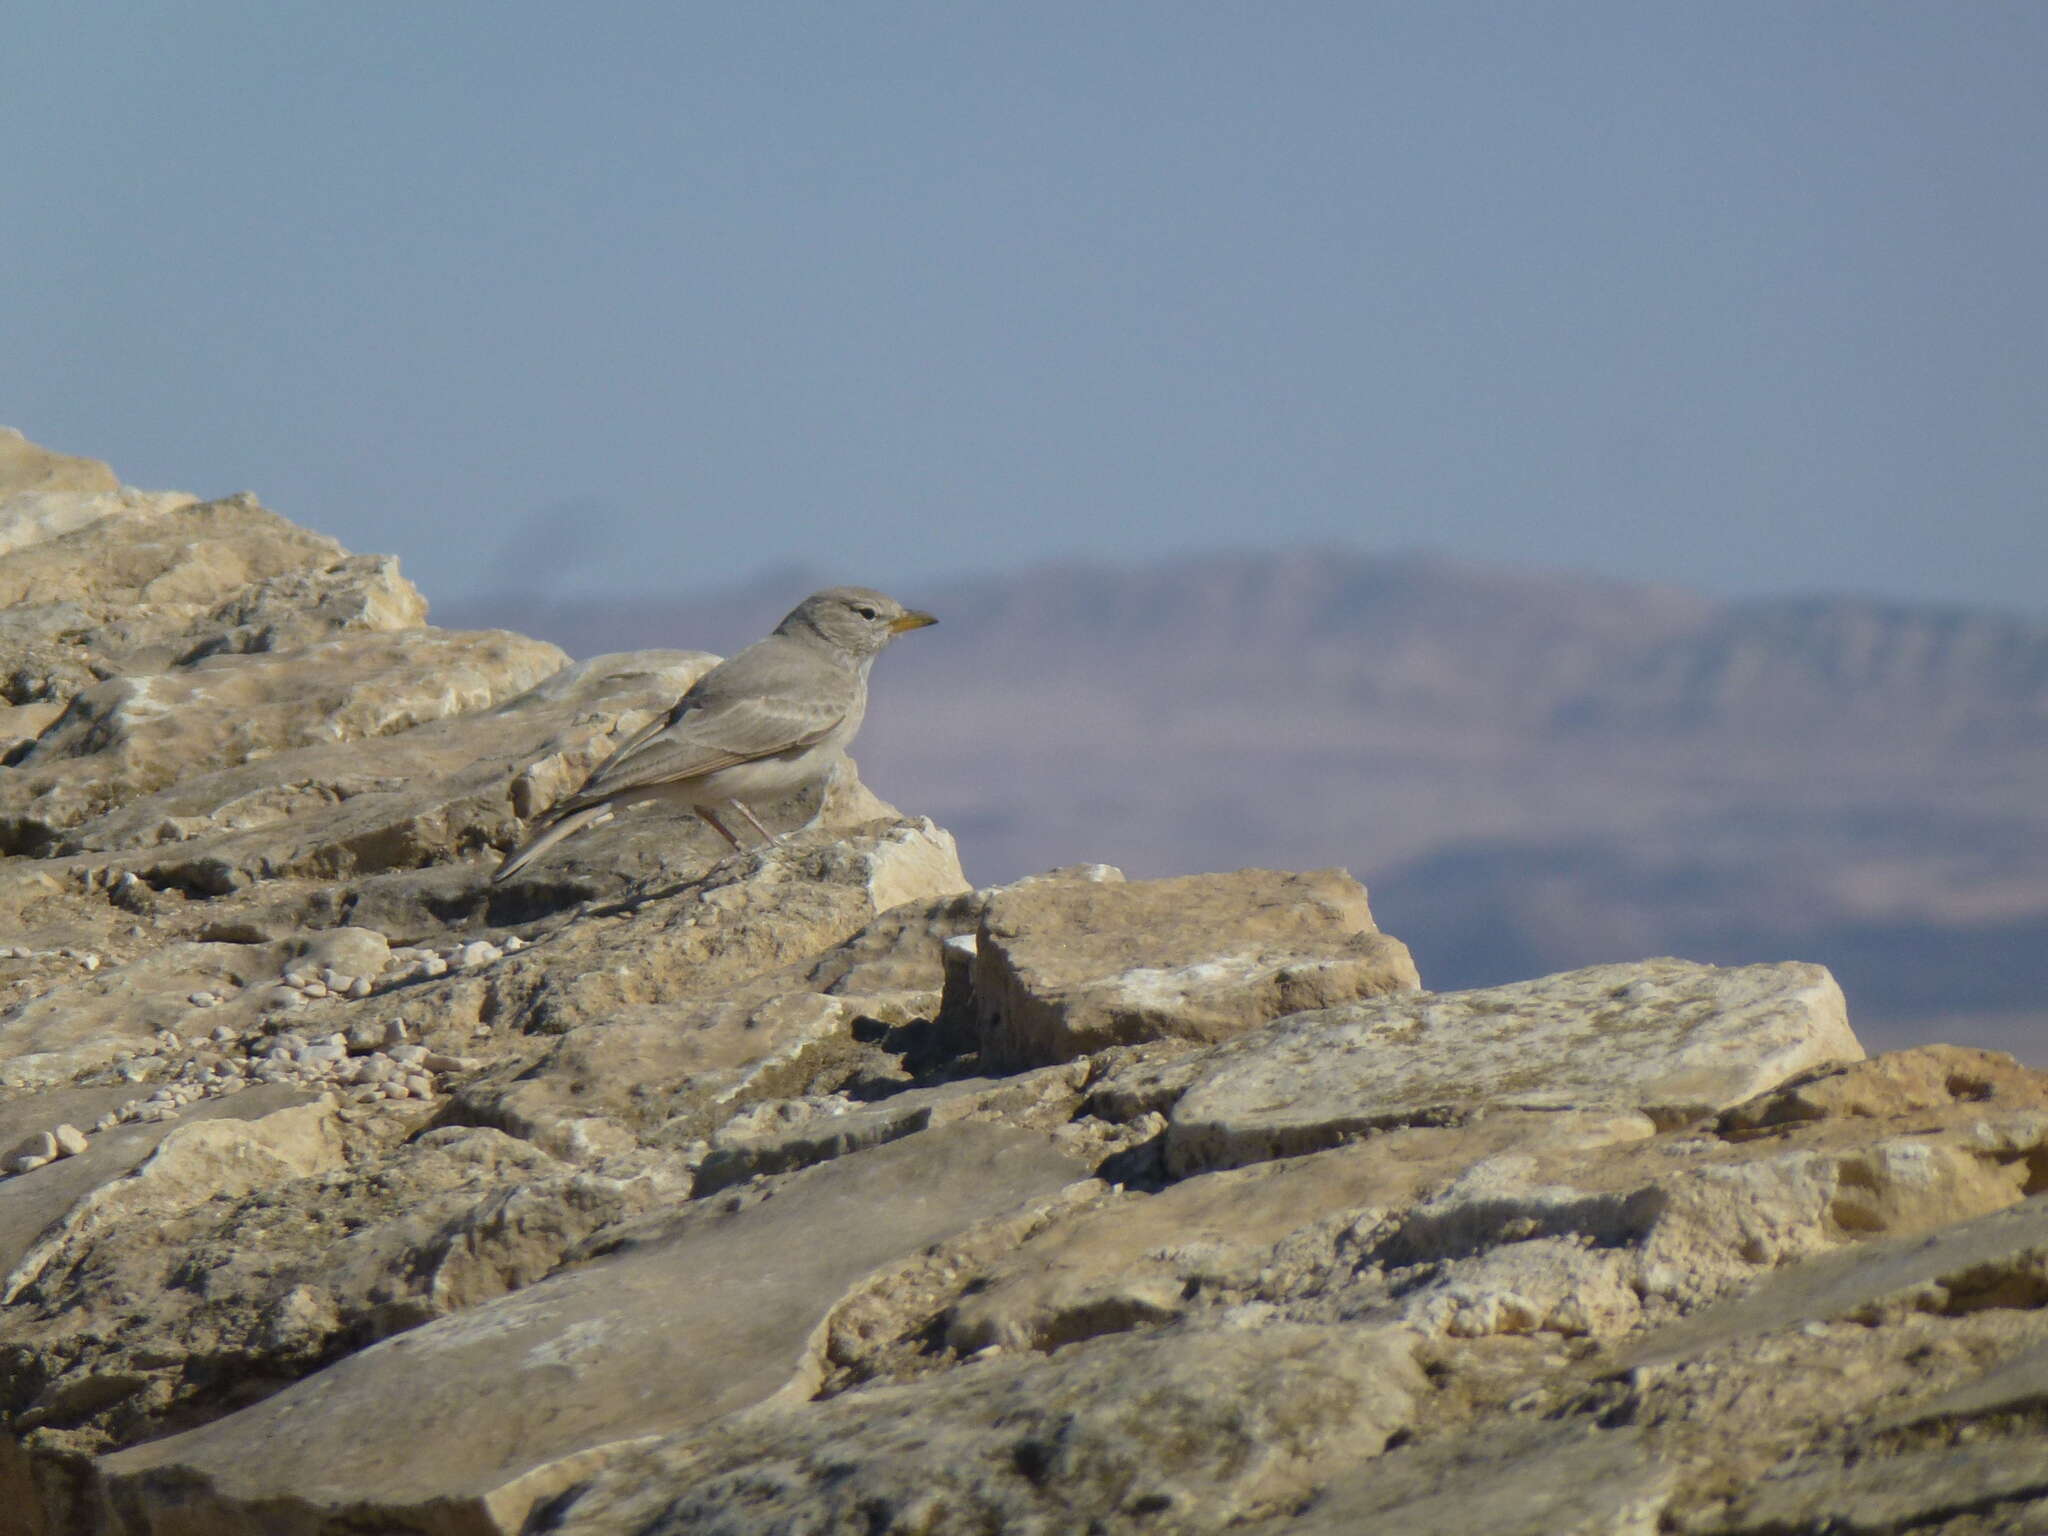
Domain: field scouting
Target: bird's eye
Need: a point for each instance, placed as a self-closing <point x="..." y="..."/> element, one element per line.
<point x="864" y="610"/>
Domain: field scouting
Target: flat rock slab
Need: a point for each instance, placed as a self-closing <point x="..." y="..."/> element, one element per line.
<point x="135" y="734"/>
<point x="1995" y="1260"/>
<point x="1066" y="967"/>
<point x="1540" y="1480"/>
<point x="713" y="1315"/>
<point x="31" y="1203"/>
<point x="1916" y="1491"/>
<point x="1146" y="1259"/>
<point x="1182" y="1430"/>
<point x="1674" y="1040"/>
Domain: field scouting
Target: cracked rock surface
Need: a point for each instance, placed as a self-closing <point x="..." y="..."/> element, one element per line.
<point x="668" y="1189"/>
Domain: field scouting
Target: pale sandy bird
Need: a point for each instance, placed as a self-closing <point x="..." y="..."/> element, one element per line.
<point x="761" y="725"/>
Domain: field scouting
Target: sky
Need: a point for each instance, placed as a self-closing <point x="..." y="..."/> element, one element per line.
<point x="1746" y="297"/>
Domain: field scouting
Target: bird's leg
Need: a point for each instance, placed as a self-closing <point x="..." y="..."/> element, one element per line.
<point x="755" y="822"/>
<point x="718" y="827"/>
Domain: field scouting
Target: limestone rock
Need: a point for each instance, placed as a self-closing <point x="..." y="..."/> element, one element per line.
<point x="655" y="1337"/>
<point x="31" y="1205"/>
<point x="137" y="734"/>
<point x="25" y="466"/>
<point x="1065" y="967"/>
<point x="1180" y="1431"/>
<point x="1673" y="1040"/>
<point x="1530" y="1481"/>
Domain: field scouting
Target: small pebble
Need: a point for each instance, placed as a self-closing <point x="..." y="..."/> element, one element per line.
<point x="202" y="1000"/>
<point x="28" y="1163"/>
<point x="434" y="965"/>
<point x="420" y="1086"/>
<point x="70" y="1140"/>
<point x="480" y="952"/>
<point x="407" y="1055"/>
<point x="297" y="978"/>
<point x="514" y="944"/>
<point x="360" y="987"/>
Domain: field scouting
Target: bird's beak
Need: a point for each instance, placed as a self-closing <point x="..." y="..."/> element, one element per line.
<point x="910" y="620"/>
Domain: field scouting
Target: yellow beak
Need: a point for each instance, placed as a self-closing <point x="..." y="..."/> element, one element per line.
<point x="910" y="620"/>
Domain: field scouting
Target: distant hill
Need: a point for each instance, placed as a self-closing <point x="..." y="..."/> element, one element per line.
<point x="1531" y="771"/>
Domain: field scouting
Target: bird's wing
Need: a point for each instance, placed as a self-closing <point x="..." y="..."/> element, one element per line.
<point x="764" y="701"/>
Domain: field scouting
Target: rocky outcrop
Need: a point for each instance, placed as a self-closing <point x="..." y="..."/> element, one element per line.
<point x="666" y="1188"/>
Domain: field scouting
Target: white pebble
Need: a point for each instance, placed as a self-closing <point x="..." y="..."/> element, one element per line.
<point x="297" y="978"/>
<point x="167" y="1039"/>
<point x="70" y="1140"/>
<point x="202" y="1000"/>
<point x="480" y="952"/>
<point x="393" y="1090"/>
<point x="434" y="965"/>
<point x="420" y="1086"/>
<point x="407" y="1055"/>
<point x="434" y="1061"/>
<point x="105" y="1123"/>
<point x="28" y="1163"/>
<point x="90" y="962"/>
<point x="360" y="987"/>
<point x="514" y="944"/>
<point x="225" y="1034"/>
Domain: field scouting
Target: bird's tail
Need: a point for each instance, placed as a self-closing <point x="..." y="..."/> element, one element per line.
<point x="534" y="847"/>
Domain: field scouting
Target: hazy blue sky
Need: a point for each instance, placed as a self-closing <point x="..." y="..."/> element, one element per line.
<point x="1745" y="296"/>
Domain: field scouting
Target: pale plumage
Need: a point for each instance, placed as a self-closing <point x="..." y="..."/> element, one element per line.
<point x="764" y="724"/>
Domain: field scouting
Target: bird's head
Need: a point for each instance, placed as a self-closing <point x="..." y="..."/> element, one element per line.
<point x="856" y="620"/>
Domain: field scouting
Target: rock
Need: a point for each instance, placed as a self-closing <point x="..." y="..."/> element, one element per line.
<point x="135" y="734"/>
<point x="1670" y="1039"/>
<point x="1992" y="1260"/>
<point x="84" y="1022"/>
<point x="25" y="467"/>
<point x="653" y="1338"/>
<point x="778" y="1135"/>
<point x="32" y="1207"/>
<point x="1180" y="1431"/>
<point x="1068" y="966"/>
<point x="1218" y="1240"/>
<point x="1536" y="1480"/>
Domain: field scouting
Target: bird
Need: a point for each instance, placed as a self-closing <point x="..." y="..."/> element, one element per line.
<point x="760" y="725"/>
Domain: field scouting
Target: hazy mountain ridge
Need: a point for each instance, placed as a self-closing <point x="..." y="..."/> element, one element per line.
<point x="1531" y="769"/>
